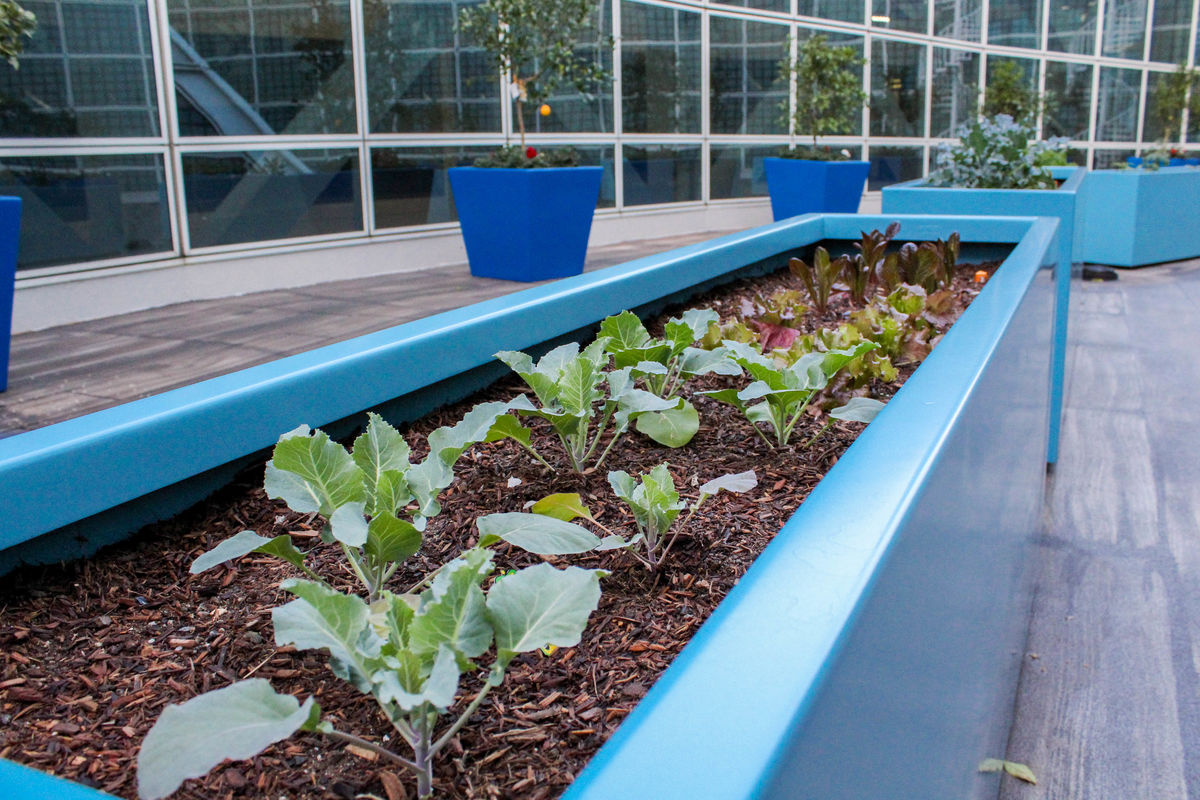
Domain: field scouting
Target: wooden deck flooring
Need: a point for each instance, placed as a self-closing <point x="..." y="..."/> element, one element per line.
<point x="1109" y="701"/>
<point x="72" y="370"/>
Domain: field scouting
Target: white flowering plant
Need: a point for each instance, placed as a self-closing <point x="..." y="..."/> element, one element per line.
<point x="995" y="153"/>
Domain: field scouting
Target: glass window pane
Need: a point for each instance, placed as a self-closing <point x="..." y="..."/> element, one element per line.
<point x="748" y="93"/>
<point x="90" y="75"/>
<point x="1068" y="100"/>
<point x="422" y="76"/>
<point x="253" y="67"/>
<point x="1169" y="35"/>
<point x="897" y="89"/>
<point x="766" y="5"/>
<point x="1007" y="100"/>
<point x="894" y="164"/>
<point x="900" y="15"/>
<point x="737" y="171"/>
<point x="87" y="208"/>
<point x="410" y="185"/>
<point x="1015" y="23"/>
<point x="1111" y="159"/>
<point x="660" y="69"/>
<point x="955" y="91"/>
<point x="261" y="195"/>
<point x="1117" y="107"/>
<point x="958" y="19"/>
<point x="845" y="10"/>
<point x="1124" y="29"/>
<point x="570" y="110"/>
<point x="1073" y="26"/>
<point x="661" y="174"/>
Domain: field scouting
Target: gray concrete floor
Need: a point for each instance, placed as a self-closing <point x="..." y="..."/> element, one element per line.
<point x="1109" y="700"/>
<point x="72" y="370"/>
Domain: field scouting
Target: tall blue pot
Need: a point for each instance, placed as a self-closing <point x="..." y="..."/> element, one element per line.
<point x="526" y="224"/>
<point x="798" y="186"/>
<point x="10" y="229"/>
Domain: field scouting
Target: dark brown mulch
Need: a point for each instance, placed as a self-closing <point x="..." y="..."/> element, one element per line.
<point x="93" y="651"/>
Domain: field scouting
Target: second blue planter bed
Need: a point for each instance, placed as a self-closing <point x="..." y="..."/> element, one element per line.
<point x="1137" y="217"/>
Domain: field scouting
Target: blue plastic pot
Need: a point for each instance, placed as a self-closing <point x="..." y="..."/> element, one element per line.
<point x="798" y="186"/>
<point x="526" y="224"/>
<point x="10" y="229"/>
<point x="1192" y="162"/>
<point x="1134" y="161"/>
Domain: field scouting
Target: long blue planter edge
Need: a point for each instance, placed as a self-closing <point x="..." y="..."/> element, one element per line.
<point x="187" y="413"/>
<point x="1068" y="203"/>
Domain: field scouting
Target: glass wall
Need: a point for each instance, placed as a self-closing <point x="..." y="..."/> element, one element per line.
<point x="136" y="131"/>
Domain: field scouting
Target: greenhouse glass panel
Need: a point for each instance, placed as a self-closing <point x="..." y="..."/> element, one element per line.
<point x="1068" y="100"/>
<point x="1124" y="29"/>
<point x="958" y="19"/>
<point x="1117" y="107"/>
<point x="1073" y="26"/>
<point x="900" y="15"/>
<point x="955" y="90"/>
<point x="844" y="10"/>
<point x="748" y="94"/>
<point x="897" y="89"/>
<point x="661" y="174"/>
<point x="660" y="69"/>
<point x="1170" y="31"/>
<point x="894" y="164"/>
<point x="1015" y="23"/>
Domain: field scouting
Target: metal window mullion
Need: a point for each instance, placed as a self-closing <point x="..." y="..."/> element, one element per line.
<point x="358" y="55"/>
<point x="1139" y="131"/>
<point x="1186" y="122"/>
<point x="928" y="109"/>
<point x="706" y="101"/>
<point x="985" y="13"/>
<point x="618" y="109"/>
<point x="1040" y="120"/>
<point x="169" y="114"/>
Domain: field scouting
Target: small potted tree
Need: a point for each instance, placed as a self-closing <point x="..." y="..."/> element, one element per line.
<point x="827" y="94"/>
<point x="1176" y="93"/>
<point x="526" y="215"/>
<point x="16" y="24"/>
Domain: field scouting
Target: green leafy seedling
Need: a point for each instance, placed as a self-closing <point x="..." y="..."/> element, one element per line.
<point x="1013" y="768"/>
<point x="663" y="365"/>
<point x="820" y="277"/>
<point x="408" y="652"/>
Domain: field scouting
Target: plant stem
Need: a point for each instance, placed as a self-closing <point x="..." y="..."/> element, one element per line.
<point x="521" y="119"/>
<point x="350" y="738"/>
<point x="462" y="720"/>
<point x="817" y="435"/>
<point x="604" y="455"/>
<point x="352" y="557"/>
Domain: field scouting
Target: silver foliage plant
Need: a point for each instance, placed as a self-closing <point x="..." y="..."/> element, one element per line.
<point x="994" y="154"/>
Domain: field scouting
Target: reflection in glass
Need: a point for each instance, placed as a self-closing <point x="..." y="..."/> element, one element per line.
<point x="261" y="195"/>
<point x="737" y="171"/>
<point x="660" y="69"/>
<point x="1072" y="26"/>
<point x="253" y="67"/>
<point x="410" y="184"/>
<point x="661" y="174"/>
<point x="1124" y="29"/>
<point x="1110" y="159"/>
<point x="894" y="164"/>
<point x="765" y="5"/>
<point x="1169" y="34"/>
<point x="955" y="90"/>
<point x="900" y="15"/>
<point x="958" y="19"/>
<point x="1117" y="107"/>
<point x="571" y="111"/>
<point x="1027" y="72"/>
<point x="1068" y="100"/>
<point x="421" y="75"/>
<point x="87" y="71"/>
<point x="1015" y="23"/>
<point x="845" y="10"/>
<point x="897" y="89"/>
<point x="87" y="208"/>
<point x="747" y="89"/>
<point x="854" y="128"/>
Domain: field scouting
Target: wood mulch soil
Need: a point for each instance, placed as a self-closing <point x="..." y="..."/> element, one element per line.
<point x="92" y="651"/>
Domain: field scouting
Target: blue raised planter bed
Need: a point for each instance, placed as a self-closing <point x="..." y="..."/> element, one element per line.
<point x="1137" y="217"/>
<point x="871" y="651"/>
<point x="526" y="224"/>
<point x="1067" y="203"/>
<point x="798" y="186"/>
<point x="10" y="232"/>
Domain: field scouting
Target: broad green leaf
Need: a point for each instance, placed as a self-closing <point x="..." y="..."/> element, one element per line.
<point x="597" y="352"/>
<point x="451" y="613"/>
<point x="541" y="605"/>
<point x="1020" y="771"/>
<point x="623" y="485"/>
<point x="635" y="402"/>
<point x="391" y="615"/>
<point x="392" y="493"/>
<point x="735" y="482"/>
<point x="544" y="386"/>
<point x="536" y="533"/>
<point x="236" y="722"/>
<point x="379" y="449"/>
<point x="438" y="689"/>
<point x="695" y="361"/>
<point x="649" y="368"/>
<point x="507" y="426"/>
<point x="329" y="476"/>
<point x="625" y="331"/>
<point x="614" y="542"/>
<point x="390" y="539"/>
<point x="991" y="765"/>
<point x="671" y="428"/>
<point x="747" y="353"/>
<point x="698" y="320"/>
<point x="661" y="497"/>
<point x="564" y="506"/>
<point x="324" y="618"/>
<point x="448" y="443"/>
<point x="248" y="542"/>
<point x="858" y="409"/>
<point x="762" y="414"/>
<point x="729" y="396"/>
<point x="348" y="525"/>
<point x="552" y="363"/>
<point x="577" y="388"/>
